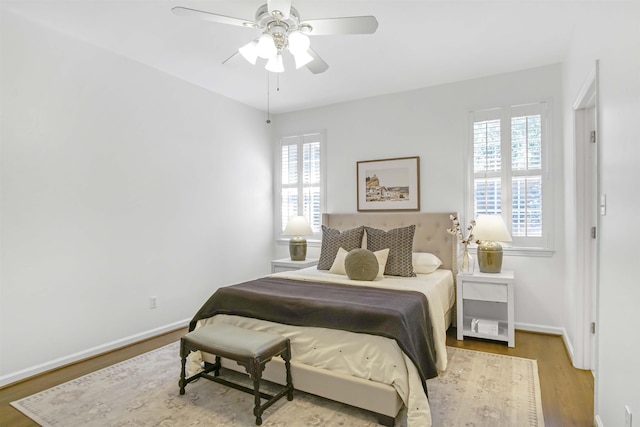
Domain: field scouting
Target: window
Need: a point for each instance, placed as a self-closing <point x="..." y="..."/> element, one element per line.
<point x="300" y="166"/>
<point x="507" y="170"/>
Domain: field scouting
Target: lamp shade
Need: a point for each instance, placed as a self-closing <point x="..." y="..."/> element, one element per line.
<point x="298" y="226"/>
<point x="298" y="42"/>
<point x="275" y="64"/>
<point x="250" y="52"/>
<point x="491" y="228"/>
<point x="266" y="47"/>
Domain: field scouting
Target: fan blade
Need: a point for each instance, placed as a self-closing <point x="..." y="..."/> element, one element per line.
<point x="318" y="65"/>
<point x="346" y="25"/>
<point x="234" y="54"/>
<point x="213" y="17"/>
<point x="283" y="6"/>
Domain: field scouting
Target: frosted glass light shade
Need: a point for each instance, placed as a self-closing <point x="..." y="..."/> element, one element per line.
<point x="250" y="52"/>
<point x="298" y="42"/>
<point x="275" y="64"/>
<point x="266" y="47"/>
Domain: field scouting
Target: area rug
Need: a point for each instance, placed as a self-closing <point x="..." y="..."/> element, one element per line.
<point x="478" y="389"/>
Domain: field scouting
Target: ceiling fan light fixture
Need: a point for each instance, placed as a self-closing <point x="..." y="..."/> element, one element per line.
<point x="298" y="42"/>
<point x="275" y="64"/>
<point x="302" y="59"/>
<point x="266" y="47"/>
<point x="250" y="52"/>
<point x="284" y="30"/>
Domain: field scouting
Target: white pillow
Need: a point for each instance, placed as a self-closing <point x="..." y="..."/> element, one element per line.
<point x="381" y="256"/>
<point x="424" y="262"/>
<point x="338" y="263"/>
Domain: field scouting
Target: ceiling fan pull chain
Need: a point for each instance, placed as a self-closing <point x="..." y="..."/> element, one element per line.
<point x="268" y="106"/>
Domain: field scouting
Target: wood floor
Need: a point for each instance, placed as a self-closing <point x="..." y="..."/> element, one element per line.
<point x="567" y="393"/>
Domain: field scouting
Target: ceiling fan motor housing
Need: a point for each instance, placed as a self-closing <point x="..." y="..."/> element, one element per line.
<point x="264" y="19"/>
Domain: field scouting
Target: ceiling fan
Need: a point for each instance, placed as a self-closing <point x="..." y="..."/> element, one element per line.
<point x="282" y="30"/>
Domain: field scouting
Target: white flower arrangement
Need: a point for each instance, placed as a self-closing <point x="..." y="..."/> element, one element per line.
<point x="465" y="262"/>
<point x="457" y="231"/>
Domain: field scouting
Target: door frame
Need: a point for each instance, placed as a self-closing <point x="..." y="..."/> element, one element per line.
<point x="587" y="179"/>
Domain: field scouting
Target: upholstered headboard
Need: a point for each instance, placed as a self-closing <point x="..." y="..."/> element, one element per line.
<point x="431" y="230"/>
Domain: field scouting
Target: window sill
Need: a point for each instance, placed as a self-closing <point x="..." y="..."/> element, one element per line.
<point x="313" y="243"/>
<point x="524" y="251"/>
<point x="530" y="252"/>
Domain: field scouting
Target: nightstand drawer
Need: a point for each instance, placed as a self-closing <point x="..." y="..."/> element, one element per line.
<point x="485" y="291"/>
<point x="286" y="264"/>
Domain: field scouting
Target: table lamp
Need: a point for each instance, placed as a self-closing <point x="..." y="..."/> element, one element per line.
<point x="489" y="230"/>
<point x="298" y="226"/>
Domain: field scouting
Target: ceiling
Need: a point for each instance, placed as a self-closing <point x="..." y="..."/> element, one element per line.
<point x="417" y="44"/>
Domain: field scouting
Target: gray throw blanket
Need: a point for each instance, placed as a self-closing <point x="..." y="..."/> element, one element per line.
<point x="399" y="315"/>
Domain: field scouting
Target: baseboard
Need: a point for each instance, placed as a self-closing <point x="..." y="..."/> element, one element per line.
<point x="543" y="329"/>
<point x="551" y="330"/>
<point x="90" y="352"/>
<point x="598" y="422"/>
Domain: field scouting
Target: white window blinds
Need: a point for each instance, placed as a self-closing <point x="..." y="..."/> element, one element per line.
<point x="507" y="169"/>
<point x="301" y="179"/>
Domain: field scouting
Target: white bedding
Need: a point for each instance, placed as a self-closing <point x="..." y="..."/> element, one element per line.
<point x="437" y="287"/>
<point x="370" y="357"/>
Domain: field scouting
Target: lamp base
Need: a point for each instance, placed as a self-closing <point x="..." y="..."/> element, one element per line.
<point x="298" y="249"/>
<point x="490" y="257"/>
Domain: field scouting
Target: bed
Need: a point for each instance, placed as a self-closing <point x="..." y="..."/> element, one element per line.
<point x="372" y="371"/>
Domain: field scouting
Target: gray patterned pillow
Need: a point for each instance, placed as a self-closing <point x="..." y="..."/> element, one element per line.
<point x="333" y="239"/>
<point x="400" y="244"/>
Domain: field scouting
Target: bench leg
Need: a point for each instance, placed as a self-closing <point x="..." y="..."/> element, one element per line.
<point x="287" y="363"/>
<point x="256" y="375"/>
<point x="183" y="382"/>
<point x="215" y="367"/>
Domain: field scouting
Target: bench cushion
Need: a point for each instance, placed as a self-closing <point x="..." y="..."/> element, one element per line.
<point x="233" y="340"/>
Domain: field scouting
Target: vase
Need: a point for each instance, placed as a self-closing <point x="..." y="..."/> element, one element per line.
<point x="465" y="262"/>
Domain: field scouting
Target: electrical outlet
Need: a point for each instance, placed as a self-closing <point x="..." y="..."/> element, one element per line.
<point x="627" y="416"/>
<point x="153" y="302"/>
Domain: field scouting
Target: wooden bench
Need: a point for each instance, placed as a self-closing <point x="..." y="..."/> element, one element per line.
<point x="250" y="349"/>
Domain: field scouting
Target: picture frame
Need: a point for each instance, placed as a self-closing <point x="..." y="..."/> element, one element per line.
<point x="389" y="184"/>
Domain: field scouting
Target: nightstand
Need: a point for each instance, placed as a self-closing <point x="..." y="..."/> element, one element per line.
<point x="286" y="264"/>
<point x="485" y="306"/>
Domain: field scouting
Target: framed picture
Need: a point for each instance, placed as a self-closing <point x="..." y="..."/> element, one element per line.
<point x="389" y="184"/>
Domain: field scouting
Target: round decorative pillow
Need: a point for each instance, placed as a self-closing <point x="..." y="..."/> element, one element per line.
<point x="361" y="264"/>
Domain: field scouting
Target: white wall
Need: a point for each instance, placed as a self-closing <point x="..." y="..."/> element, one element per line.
<point x="611" y="34"/>
<point x="118" y="183"/>
<point x="433" y="123"/>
